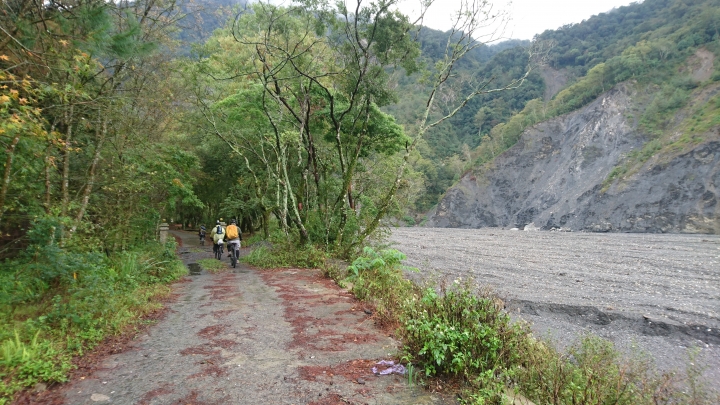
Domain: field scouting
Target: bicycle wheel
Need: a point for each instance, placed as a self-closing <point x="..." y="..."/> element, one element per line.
<point x="233" y="258"/>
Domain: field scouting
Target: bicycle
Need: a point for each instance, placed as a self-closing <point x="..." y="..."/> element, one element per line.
<point x="219" y="251"/>
<point x="234" y="249"/>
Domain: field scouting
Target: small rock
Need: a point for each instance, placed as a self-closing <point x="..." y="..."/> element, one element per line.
<point x="367" y="311"/>
<point x="99" y="397"/>
<point x="40" y="387"/>
<point x="360" y="381"/>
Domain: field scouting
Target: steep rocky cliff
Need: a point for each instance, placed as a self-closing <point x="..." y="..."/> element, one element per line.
<point x="555" y="177"/>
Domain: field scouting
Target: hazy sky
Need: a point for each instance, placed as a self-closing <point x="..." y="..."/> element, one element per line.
<point x="529" y="17"/>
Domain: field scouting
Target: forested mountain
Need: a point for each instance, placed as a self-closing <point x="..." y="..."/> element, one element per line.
<point x="655" y="169"/>
<point x="201" y="18"/>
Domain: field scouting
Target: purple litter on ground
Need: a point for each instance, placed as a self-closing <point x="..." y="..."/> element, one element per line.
<point x="395" y="368"/>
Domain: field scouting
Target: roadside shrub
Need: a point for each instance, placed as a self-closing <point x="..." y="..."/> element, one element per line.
<point x="409" y="220"/>
<point x="377" y="277"/>
<point x="457" y="332"/>
<point x="592" y="372"/>
<point x="252" y="239"/>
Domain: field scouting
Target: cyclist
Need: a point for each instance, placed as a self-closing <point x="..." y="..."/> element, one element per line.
<point x="233" y="236"/>
<point x="218" y="233"/>
<point x="201" y="234"/>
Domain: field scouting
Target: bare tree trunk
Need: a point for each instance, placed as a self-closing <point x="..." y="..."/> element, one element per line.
<point x="48" y="183"/>
<point x="266" y="223"/>
<point x="304" y="237"/>
<point x="65" y="187"/>
<point x="10" y="151"/>
<point x="467" y="23"/>
<point x="91" y="174"/>
<point x="48" y="171"/>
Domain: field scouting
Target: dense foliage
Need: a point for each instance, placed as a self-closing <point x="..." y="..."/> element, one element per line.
<point x="84" y="137"/>
<point x="291" y="116"/>
<point x="298" y="114"/>
<point x="58" y="302"/>
<point x="90" y="168"/>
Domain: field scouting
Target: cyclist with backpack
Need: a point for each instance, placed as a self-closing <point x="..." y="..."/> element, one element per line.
<point x="201" y="233"/>
<point x="218" y="233"/>
<point x="233" y="236"/>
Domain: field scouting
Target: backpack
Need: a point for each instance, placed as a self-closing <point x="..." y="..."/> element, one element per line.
<point x="219" y="230"/>
<point x="231" y="232"/>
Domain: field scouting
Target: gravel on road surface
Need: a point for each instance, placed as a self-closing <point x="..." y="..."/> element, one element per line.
<point x="654" y="293"/>
<point x="247" y="336"/>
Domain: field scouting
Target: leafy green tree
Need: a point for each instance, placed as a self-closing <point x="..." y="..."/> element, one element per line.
<point x="80" y="70"/>
<point x="304" y="108"/>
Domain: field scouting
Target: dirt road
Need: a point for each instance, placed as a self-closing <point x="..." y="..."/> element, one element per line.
<point x="251" y="337"/>
<point x="655" y="293"/>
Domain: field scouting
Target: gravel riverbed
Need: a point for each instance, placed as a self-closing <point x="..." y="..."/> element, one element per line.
<point x="658" y="294"/>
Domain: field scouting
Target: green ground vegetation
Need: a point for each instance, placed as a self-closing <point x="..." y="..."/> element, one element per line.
<point x="279" y="252"/>
<point x="213" y="265"/>
<point x="59" y="302"/>
<point x="91" y="164"/>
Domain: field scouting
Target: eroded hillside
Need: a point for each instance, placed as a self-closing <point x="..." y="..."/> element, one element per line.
<point x="595" y="170"/>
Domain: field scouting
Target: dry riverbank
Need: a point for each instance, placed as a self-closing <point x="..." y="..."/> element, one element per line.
<point x="655" y="293"/>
